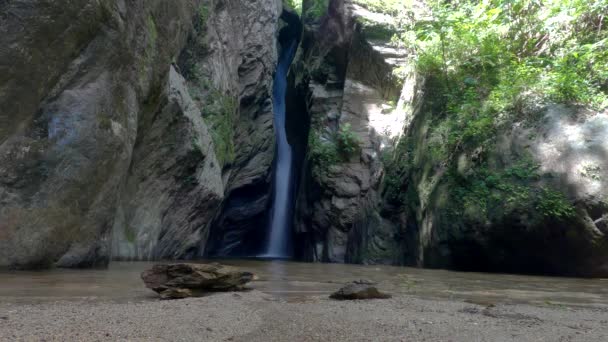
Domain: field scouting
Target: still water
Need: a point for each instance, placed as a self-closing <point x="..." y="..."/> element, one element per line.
<point x="297" y="281"/>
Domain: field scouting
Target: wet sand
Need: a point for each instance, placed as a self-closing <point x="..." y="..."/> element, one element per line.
<point x="255" y="316"/>
<point x="289" y="303"/>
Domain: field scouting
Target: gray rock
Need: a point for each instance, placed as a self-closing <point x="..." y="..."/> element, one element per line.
<point x="565" y="151"/>
<point x="332" y="203"/>
<point x="175" y="281"/>
<point x="104" y="152"/>
<point x="175" y="293"/>
<point x="245" y="55"/>
<point x="70" y="119"/>
<point x="359" y="290"/>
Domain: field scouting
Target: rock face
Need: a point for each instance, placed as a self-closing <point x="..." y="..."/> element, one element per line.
<point x="350" y="84"/>
<point x="175" y="281"/>
<point x="359" y="290"/>
<point x="531" y="200"/>
<point x="241" y="225"/>
<point x="113" y="139"/>
<point x="143" y="130"/>
<point x="545" y="209"/>
<point x="228" y="70"/>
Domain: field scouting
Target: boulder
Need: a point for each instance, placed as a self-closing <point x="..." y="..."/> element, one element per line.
<point x="174" y="281"/>
<point x="360" y="289"/>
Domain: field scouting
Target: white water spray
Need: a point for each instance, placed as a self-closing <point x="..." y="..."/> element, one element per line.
<point x="282" y="201"/>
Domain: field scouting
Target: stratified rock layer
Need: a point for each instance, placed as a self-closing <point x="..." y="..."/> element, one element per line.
<point x="125" y="124"/>
<point x="349" y="83"/>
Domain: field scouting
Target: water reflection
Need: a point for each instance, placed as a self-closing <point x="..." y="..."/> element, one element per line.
<point x="290" y="280"/>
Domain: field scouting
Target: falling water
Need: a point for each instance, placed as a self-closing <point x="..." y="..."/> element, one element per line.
<point x="282" y="199"/>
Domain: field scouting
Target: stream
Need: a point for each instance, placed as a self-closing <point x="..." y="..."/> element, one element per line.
<point x="298" y="281"/>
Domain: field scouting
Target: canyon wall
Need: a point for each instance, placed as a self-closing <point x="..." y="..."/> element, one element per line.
<point x="380" y="186"/>
<point x="352" y="97"/>
<point x="143" y="130"/>
<point x="126" y="124"/>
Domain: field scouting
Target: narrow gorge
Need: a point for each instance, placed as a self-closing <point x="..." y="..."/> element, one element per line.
<point x="331" y="131"/>
<point x="279" y="243"/>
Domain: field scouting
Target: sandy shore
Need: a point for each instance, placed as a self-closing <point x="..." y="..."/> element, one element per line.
<point x="255" y="316"/>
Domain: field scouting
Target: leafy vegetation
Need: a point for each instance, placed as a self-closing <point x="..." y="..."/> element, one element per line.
<point x="314" y="9"/>
<point x="130" y="234"/>
<point x="347" y="142"/>
<point x="295" y="5"/>
<point x="219" y="111"/>
<point x="203" y="14"/>
<point x="554" y="204"/>
<point x="151" y="26"/>
<point x="321" y="154"/>
<point x="340" y="147"/>
<point x="486" y="65"/>
<point x="497" y="60"/>
<point x="398" y="163"/>
<point x="489" y="193"/>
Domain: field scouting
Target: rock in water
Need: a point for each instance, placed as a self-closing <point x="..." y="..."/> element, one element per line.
<point x="361" y="289"/>
<point x="174" y="281"/>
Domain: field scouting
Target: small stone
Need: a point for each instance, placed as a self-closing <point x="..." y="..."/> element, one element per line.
<point x="365" y="282"/>
<point x="357" y="290"/>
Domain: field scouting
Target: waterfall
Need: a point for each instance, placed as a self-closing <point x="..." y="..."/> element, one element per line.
<point x="278" y="243"/>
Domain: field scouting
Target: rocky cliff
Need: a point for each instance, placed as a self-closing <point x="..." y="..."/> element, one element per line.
<point x="381" y="184"/>
<point x="352" y="102"/>
<point x="127" y="127"/>
<point x="144" y="130"/>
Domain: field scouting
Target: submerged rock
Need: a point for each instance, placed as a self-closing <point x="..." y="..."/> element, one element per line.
<point x="360" y="289"/>
<point x="175" y="281"/>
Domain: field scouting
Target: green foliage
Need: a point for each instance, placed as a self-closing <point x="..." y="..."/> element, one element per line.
<point x="377" y="31"/>
<point x="295" y="5"/>
<point x="219" y="111"/>
<point x="556" y="49"/>
<point x="486" y="65"/>
<point x="321" y="154"/>
<point x="314" y="9"/>
<point x="130" y="234"/>
<point x="496" y="62"/>
<point x="339" y="147"/>
<point x="489" y="194"/>
<point x="203" y="14"/>
<point x="152" y="29"/>
<point x="554" y="204"/>
<point x="398" y="163"/>
<point x="347" y="142"/>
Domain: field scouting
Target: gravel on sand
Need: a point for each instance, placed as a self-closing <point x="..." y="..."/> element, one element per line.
<point x="256" y="316"/>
